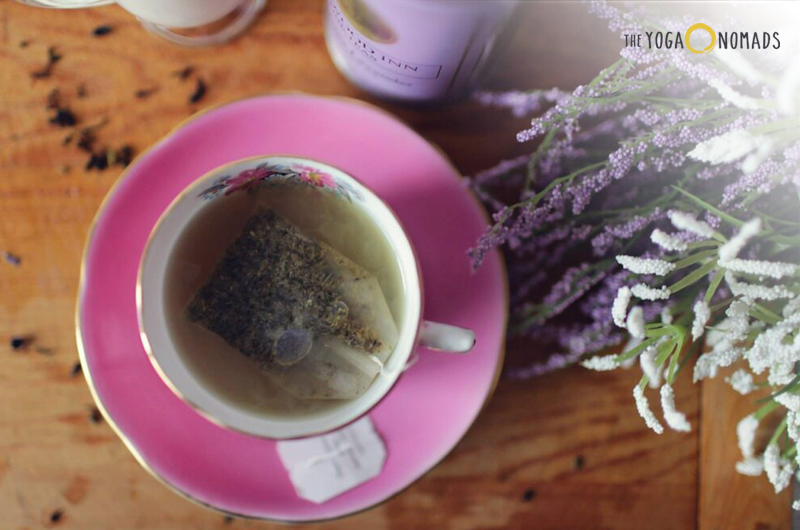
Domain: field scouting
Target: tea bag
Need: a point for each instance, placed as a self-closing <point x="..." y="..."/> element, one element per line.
<point x="312" y="319"/>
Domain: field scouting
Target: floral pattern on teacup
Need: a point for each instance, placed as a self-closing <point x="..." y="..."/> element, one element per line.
<point x="315" y="177"/>
<point x="266" y="174"/>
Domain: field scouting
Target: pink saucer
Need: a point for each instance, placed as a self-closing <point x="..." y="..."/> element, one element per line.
<point x="434" y="402"/>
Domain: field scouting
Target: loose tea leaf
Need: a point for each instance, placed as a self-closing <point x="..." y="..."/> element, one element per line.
<point x="125" y="155"/>
<point x="64" y="118"/>
<point x="87" y="136"/>
<point x="76" y="369"/>
<point x="199" y="91"/>
<point x="95" y="416"/>
<point x="101" y="31"/>
<point x="184" y="73"/>
<point x="270" y="280"/>
<point x="98" y="161"/>
<point x="53" y="99"/>
<point x="528" y="495"/>
<point x="52" y="58"/>
<point x="18" y="343"/>
<point x="12" y="259"/>
<point x="144" y="93"/>
<point x="56" y="516"/>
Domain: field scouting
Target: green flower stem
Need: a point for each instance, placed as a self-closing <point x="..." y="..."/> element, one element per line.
<point x="713" y="285"/>
<point x="762" y="413"/>
<point x="724" y="303"/>
<point x="663" y="351"/>
<point x="775" y="126"/>
<point x="790" y="386"/>
<point x="659" y="332"/>
<point x="633" y="352"/>
<point x="694" y="258"/>
<point x="692" y="277"/>
<point x="531" y="169"/>
<point x="716" y="211"/>
<point x="703" y="244"/>
<point x="765" y="315"/>
<point x="693" y="349"/>
<point x="778" y="431"/>
<point x="678" y="349"/>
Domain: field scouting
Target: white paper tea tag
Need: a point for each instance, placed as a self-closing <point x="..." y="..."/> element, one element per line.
<point x="323" y="467"/>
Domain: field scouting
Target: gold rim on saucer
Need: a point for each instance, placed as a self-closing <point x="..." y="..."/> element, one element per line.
<point x="87" y="372"/>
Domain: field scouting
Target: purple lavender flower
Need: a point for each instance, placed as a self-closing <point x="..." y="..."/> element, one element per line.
<point x="613" y="157"/>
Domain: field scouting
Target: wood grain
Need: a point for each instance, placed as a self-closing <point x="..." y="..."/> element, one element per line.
<point x="728" y="499"/>
<point x="564" y="451"/>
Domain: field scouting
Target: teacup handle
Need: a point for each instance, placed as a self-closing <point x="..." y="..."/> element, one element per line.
<point x="444" y="337"/>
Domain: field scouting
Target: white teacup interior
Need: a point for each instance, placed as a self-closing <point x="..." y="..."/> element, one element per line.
<point x="234" y="395"/>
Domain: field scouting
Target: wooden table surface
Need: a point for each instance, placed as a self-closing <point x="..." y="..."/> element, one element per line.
<point x="563" y="451"/>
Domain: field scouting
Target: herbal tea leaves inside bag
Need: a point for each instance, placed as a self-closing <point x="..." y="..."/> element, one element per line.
<point x="314" y="320"/>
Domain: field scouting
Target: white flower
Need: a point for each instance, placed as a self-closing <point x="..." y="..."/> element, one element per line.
<point x="667" y="242"/>
<point x="796" y="505"/>
<point x="770" y="349"/>
<point x="779" y="470"/>
<point x="632" y="343"/>
<point x="684" y="221"/>
<point x="601" y="363"/>
<point x="772" y="269"/>
<point x="791" y="306"/>
<point x="790" y="401"/>
<point x="648" y="293"/>
<point x="737" y="324"/>
<point x="646" y="266"/>
<point x="708" y="363"/>
<point x="746" y="433"/>
<point x="644" y="410"/>
<point x="780" y="373"/>
<point x="676" y="420"/>
<point x="793" y="425"/>
<point x="765" y="147"/>
<point x="755" y="291"/>
<point x="666" y="316"/>
<point x="620" y="307"/>
<point x="715" y="336"/>
<point x="752" y="467"/>
<point x="733" y="97"/>
<point x="731" y="249"/>
<point x="647" y="361"/>
<point x="727" y="147"/>
<point x="701" y="315"/>
<point x="741" y="381"/>
<point x="635" y="322"/>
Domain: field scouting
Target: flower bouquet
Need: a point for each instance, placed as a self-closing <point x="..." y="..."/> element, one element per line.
<point x="660" y="213"/>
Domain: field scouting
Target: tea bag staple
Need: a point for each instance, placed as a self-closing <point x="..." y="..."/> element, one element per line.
<point x="312" y="319"/>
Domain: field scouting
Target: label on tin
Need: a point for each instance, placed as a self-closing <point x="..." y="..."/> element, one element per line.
<point x="361" y="27"/>
<point x="323" y="467"/>
<point x="412" y="49"/>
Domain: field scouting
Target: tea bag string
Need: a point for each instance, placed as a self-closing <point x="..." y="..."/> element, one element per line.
<point x="383" y="371"/>
<point x="340" y="450"/>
